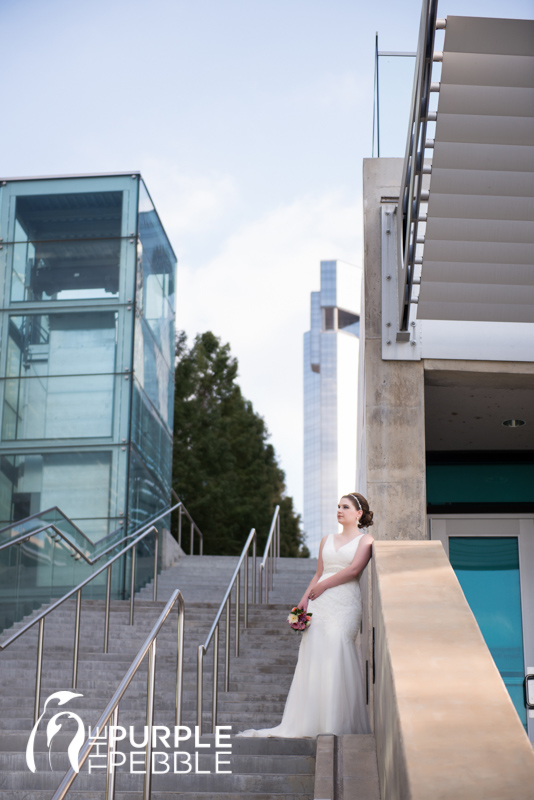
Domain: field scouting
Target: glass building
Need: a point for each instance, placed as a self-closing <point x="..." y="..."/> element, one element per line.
<point x="331" y="348"/>
<point x="87" y="351"/>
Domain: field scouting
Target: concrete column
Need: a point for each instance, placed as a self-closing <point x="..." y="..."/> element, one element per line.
<point x="393" y="472"/>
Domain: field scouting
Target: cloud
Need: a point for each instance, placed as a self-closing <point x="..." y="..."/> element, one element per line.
<point x="188" y="204"/>
<point x="344" y="90"/>
<point x="255" y="294"/>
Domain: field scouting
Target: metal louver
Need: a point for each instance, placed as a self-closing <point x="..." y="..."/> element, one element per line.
<point x="478" y="258"/>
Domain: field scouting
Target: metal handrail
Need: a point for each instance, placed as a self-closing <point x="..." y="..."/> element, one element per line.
<point x="80" y="554"/>
<point x="271" y="552"/>
<point x="112" y="708"/>
<point x="40" y="618"/>
<point x="413" y="169"/>
<point x="49" y="511"/>
<point x="214" y="631"/>
<point x="194" y="526"/>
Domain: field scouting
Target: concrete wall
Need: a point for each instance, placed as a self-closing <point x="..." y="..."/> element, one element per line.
<point x="392" y="465"/>
<point x="445" y="725"/>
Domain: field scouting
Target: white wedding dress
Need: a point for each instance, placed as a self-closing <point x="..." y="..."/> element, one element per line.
<point x="326" y="694"/>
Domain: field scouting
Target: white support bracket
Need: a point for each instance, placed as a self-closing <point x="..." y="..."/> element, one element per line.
<point x="396" y="345"/>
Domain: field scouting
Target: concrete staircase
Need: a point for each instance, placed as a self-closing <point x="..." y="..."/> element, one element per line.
<point x="260" y="678"/>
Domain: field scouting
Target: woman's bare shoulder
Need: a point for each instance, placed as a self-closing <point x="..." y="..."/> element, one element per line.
<point x="368" y="538"/>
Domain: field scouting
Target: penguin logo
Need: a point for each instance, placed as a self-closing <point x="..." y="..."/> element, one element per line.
<point x="54" y="727"/>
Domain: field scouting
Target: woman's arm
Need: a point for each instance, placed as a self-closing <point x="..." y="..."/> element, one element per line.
<point x="360" y="561"/>
<point x="304" y="602"/>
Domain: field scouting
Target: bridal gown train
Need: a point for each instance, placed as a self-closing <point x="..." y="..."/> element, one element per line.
<point x="326" y="694"/>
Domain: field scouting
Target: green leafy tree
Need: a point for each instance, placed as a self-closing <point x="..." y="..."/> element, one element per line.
<point x="224" y="469"/>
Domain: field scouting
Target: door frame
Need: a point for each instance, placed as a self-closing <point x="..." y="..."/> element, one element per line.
<point x="437" y="529"/>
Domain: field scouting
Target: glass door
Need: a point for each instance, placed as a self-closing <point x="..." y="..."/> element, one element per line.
<point x="492" y="558"/>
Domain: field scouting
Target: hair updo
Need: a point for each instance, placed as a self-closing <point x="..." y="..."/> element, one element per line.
<point x="366" y="519"/>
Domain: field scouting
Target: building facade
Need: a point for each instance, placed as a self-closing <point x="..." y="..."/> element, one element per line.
<point x="330" y="391"/>
<point x="87" y="350"/>
<point x="445" y="438"/>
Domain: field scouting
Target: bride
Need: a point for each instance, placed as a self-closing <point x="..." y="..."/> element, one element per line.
<point x="326" y="694"/>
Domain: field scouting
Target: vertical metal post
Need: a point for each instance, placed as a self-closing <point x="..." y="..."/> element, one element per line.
<point x="201" y="544"/>
<point x="237" y="601"/>
<point x="192" y="536"/>
<point x="245" y="615"/>
<point x="132" y="583"/>
<point x="179" y="666"/>
<point x="108" y="604"/>
<point x="76" y="638"/>
<point x="377" y="102"/>
<point x="200" y="669"/>
<point x="214" y="696"/>
<point x="39" y="671"/>
<point x="254" y="569"/>
<point x="260" y="584"/>
<point x="180" y="511"/>
<point x="147" y="788"/>
<point x="110" y="776"/>
<point x="227" y="647"/>
<point x="156" y="554"/>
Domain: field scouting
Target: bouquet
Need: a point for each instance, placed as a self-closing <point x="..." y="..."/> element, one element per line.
<point x="299" y="619"/>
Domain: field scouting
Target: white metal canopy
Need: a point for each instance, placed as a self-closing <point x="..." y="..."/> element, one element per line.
<point x="478" y="257"/>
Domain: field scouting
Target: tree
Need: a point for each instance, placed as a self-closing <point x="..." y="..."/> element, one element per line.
<point x="224" y="469"/>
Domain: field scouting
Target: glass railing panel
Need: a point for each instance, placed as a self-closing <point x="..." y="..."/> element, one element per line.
<point x="45" y="567"/>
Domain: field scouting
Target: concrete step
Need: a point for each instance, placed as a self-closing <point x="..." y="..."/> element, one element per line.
<point x="285" y="783"/>
<point x="260" y="677"/>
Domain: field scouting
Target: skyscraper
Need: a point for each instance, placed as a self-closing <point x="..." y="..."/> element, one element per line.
<point x="331" y="349"/>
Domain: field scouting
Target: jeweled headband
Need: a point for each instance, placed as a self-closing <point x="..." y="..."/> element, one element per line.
<point x="359" y="506"/>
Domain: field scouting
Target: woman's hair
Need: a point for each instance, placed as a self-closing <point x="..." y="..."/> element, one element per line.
<point x="359" y="502"/>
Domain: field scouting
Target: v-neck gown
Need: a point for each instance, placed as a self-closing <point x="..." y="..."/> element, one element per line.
<point x="326" y="694"/>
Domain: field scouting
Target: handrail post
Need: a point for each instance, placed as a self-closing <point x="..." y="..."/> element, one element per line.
<point x="180" y="512"/>
<point x="156" y="554"/>
<point x="214" y="697"/>
<point x="245" y="615"/>
<point x="76" y="638"/>
<point x="227" y="647"/>
<point x="151" y="684"/>
<point x="260" y="585"/>
<point x="39" y="671"/>
<point x="108" y="604"/>
<point x="201" y="542"/>
<point x="132" y="583"/>
<point x="110" y="773"/>
<point x="180" y="665"/>
<point x="254" y="568"/>
<point x="237" y="601"/>
<point x="192" y="537"/>
<point x="200" y="671"/>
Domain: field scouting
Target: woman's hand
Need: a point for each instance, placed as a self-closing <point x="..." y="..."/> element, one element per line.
<point x="303" y="604"/>
<point x="316" y="591"/>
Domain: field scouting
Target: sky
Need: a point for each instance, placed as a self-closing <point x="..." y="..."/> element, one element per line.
<point x="249" y="121"/>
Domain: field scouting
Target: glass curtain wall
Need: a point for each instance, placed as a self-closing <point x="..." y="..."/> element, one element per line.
<point x="86" y="355"/>
<point x="153" y="385"/>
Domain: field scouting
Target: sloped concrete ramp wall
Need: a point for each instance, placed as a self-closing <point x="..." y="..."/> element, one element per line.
<point x="445" y="725"/>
